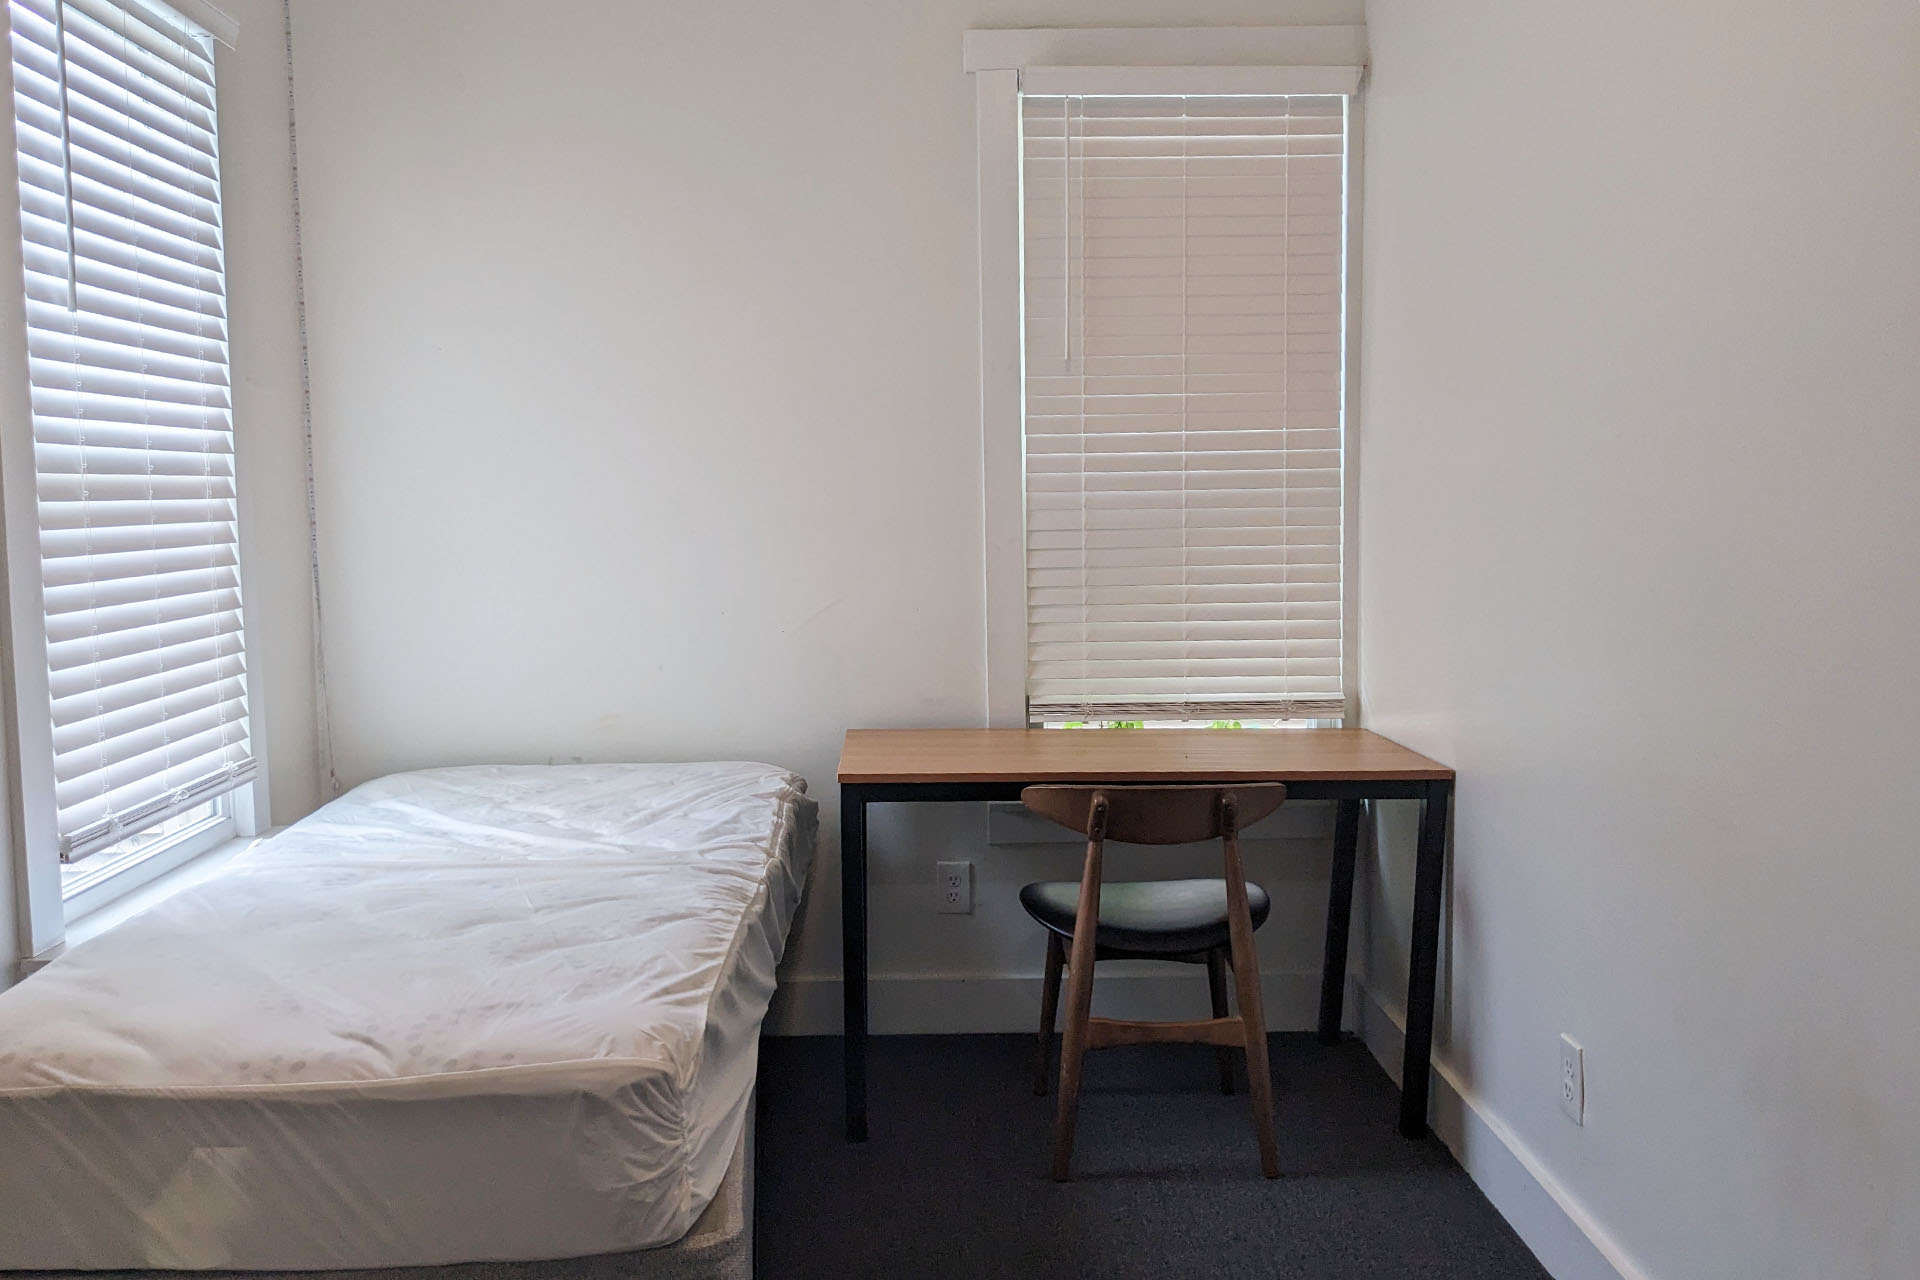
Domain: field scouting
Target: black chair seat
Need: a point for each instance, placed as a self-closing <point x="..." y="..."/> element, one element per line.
<point x="1146" y="917"/>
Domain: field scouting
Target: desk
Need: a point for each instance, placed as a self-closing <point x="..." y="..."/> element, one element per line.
<point x="910" y="766"/>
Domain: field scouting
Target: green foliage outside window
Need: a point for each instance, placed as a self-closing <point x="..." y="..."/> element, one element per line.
<point x="1137" y="724"/>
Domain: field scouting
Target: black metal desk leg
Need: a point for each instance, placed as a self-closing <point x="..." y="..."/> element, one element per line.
<point x="853" y="955"/>
<point x="1333" y="970"/>
<point x="1423" y="961"/>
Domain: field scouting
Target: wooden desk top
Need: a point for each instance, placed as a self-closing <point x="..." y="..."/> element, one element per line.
<point x="1130" y="755"/>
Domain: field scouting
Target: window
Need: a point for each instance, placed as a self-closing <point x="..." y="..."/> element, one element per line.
<point x="1182" y="405"/>
<point x="132" y="684"/>
<point x="1179" y="328"/>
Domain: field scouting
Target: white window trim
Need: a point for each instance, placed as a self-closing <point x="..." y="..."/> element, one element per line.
<point x="1162" y="60"/>
<point x="26" y="763"/>
<point x="1182" y="48"/>
<point x="163" y="859"/>
<point x="109" y="914"/>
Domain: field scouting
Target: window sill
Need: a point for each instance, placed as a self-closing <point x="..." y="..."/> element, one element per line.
<point x="108" y="915"/>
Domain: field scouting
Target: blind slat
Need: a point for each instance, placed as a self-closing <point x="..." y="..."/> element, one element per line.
<point x="133" y="433"/>
<point x="141" y="678"/>
<point x="140" y="616"/>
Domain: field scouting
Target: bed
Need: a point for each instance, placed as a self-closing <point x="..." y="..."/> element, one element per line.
<point x="493" y="1014"/>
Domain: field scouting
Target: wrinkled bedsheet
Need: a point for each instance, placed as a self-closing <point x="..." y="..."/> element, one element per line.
<point x="496" y="1012"/>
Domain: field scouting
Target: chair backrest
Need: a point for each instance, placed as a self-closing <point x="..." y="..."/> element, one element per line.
<point x="1156" y="814"/>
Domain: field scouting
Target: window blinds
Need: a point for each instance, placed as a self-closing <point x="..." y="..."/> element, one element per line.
<point x="132" y="424"/>
<point x="1184" y="269"/>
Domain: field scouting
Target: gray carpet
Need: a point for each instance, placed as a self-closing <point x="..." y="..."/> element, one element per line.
<point x="1167" y="1180"/>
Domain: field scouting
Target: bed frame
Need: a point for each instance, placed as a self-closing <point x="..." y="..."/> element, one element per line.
<point x="718" y="1247"/>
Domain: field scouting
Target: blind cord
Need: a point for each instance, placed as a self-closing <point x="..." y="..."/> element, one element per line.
<point x="322" y="719"/>
<point x="66" y="149"/>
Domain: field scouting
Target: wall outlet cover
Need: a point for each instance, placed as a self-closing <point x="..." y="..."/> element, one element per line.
<point x="954" y="880"/>
<point x="1573" y="1080"/>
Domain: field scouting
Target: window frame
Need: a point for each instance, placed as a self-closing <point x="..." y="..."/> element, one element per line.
<point x="1147" y="60"/>
<point x="43" y="910"/>
<point x="87" y="892"/>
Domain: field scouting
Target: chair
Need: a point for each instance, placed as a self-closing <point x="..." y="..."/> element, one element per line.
<point x="1196" y="921"/>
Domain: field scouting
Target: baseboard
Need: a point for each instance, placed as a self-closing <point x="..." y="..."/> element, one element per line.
<point x="1570" y="1244"/>
<point x="930" y="1004"/>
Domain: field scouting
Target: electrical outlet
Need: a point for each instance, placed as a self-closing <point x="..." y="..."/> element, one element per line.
<point x="1573" y="1080"/>
<point x="955" y="880"/>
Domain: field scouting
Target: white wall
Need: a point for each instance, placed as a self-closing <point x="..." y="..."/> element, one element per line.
<point x="257" y="204"/>
<point x="1641" y="456"/>
<point x="646" y="392"/>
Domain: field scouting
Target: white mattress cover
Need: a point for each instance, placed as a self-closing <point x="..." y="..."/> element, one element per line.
<point x="498" y="1012"/>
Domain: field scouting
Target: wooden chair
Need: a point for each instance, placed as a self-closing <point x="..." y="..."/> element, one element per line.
<point x="1210" y="921"/>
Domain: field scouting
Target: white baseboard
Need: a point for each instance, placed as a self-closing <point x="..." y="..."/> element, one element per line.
<point x="929" y="1004"/>
<point x="1570" y="1244"/>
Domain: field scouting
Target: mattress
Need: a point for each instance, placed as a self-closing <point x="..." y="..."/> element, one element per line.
<point x="478" y="1014"/>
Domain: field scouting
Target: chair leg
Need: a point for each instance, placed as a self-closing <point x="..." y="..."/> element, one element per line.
<point x="1049" y="1010"/>
<point x="1073" y="1049"/>
<point x="1259" y="1077"/>
<point x="1073" y="1046"/>
<point x="1217" y="988"/>
<point x="1253" y="1022"/>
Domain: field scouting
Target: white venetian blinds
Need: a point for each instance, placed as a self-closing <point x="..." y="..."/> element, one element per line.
<point x="132" y="422"/>
<point x="1184" y="268"/>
